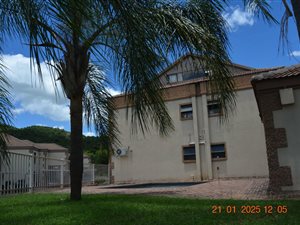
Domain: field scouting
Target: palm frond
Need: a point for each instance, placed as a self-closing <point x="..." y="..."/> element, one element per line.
<point x="139" y="38"/>
<point x="98" y="105"/>
<point x="148" y="34"/>
<point x="6" y="115"/>
<point x="261" y="8"/>
<point x="284" y="24"/>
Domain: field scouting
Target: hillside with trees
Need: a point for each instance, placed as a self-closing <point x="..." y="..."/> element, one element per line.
<point x="95" y="147"/>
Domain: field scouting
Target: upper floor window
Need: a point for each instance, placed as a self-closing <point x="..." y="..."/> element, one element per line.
<point x="187" y="75"/>
<point x="186" y="112"/>
<point x="193" y="74"/>
<point x="172" y="78"/>
<point x="214" y="108"/>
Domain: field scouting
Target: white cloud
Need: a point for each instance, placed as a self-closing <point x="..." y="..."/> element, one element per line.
<point x="89" y="134"/>
<point x="113" y="92"/>
<point x="18" y="111"/>
<point x="28" y="92"/>
<point x="236" y="17"/>
<point x="33" y="97"/>
<point x="59" y="127"/>
<point x="41" y="125"/>
<point x="295" y="53"/>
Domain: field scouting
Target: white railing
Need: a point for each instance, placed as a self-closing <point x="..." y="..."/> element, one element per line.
<point x="28" y="173"/>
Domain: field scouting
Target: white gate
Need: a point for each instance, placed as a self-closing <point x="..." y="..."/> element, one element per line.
<point x="28" y="173"/>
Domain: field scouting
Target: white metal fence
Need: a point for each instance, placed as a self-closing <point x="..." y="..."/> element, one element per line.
<point x="28" y="173"/>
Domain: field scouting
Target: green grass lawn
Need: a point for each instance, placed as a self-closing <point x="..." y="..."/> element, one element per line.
<point x="40" y="209"/>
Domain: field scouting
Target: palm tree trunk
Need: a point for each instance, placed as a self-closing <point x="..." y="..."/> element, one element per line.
<point x="296" y="9"/>
<point x="76" y="157"/>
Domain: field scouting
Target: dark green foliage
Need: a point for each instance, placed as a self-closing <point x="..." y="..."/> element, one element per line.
<point x="46" y="209"/>
<point x="41" y="134"/>
<point x="95" y="147"/>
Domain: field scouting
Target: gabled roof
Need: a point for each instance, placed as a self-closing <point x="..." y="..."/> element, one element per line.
<point x="247" y="71"/>
<point x="182" y="58"/>
<point x="14" y="143"/>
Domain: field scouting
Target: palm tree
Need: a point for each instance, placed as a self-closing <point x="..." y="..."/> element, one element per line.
<point x="79" y="39"/>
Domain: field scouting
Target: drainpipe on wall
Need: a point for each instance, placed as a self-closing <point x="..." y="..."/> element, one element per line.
<point x="206" y="137"/>
<point x="196" y="137"/>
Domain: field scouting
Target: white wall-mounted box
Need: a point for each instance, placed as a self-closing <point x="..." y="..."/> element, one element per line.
<point x="287" y="96"/>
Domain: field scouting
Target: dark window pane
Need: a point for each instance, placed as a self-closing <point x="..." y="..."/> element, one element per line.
<point x="189" y="153"/>
<point x="218" y="148"/>
<point x="186" y="111"/>
<point x="186" y="107"/>
<point x="193" y="74"/>
<point x="218" y="151"/>
<point x="218" y="155"/>
<point x="187" y="115"/>
<point x="172" y="78"/>
<point x="213" y="108"/>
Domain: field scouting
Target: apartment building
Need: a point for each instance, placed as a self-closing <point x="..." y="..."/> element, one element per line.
<point x="200" y="147"/>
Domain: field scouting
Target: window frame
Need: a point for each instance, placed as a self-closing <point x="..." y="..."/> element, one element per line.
<point x="188" y="161"/>
<point x="215" y="114"/>
<point x="180" y="115"/>
<point x="172" y="74"/>
<point x="225" y="151"/>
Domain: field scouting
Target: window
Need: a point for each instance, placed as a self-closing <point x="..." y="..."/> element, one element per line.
<point x="214" y="108"/>
<point x="186" y="112"/>
<point x="172" y="78"/>
<point x="189" y="154"/>
<point x="218" y="151"/>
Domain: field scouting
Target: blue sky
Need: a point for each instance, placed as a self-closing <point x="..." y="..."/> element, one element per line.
<point x="253" y="43"/>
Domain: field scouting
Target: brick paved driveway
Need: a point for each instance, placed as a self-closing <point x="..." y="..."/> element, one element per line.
<point x="254" y="188"/>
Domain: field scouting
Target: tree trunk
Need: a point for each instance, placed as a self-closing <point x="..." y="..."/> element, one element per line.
<point x="296" y="9"/>
<point x="76" y="157"/>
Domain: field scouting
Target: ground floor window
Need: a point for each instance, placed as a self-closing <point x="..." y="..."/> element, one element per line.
<point x="218" y="151"/>
<point x="189" y="153"/>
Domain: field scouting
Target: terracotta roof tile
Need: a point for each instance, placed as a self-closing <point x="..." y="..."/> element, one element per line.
<point x="50" y="147"/>
<point x="13" y="142"/>
<point x="279" y="73"/>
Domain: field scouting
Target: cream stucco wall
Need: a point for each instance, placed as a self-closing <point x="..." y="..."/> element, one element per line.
<point x="244" y="140"/>
<point x="153" y="158"/>
<point x="289" y="119"/>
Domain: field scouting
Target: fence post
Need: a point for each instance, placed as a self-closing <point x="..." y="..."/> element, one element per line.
<point x="108" y="167"/>
<point x="93" y="173"/>
<point x="62" y="175"/>
<point x="31" y="173"/>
